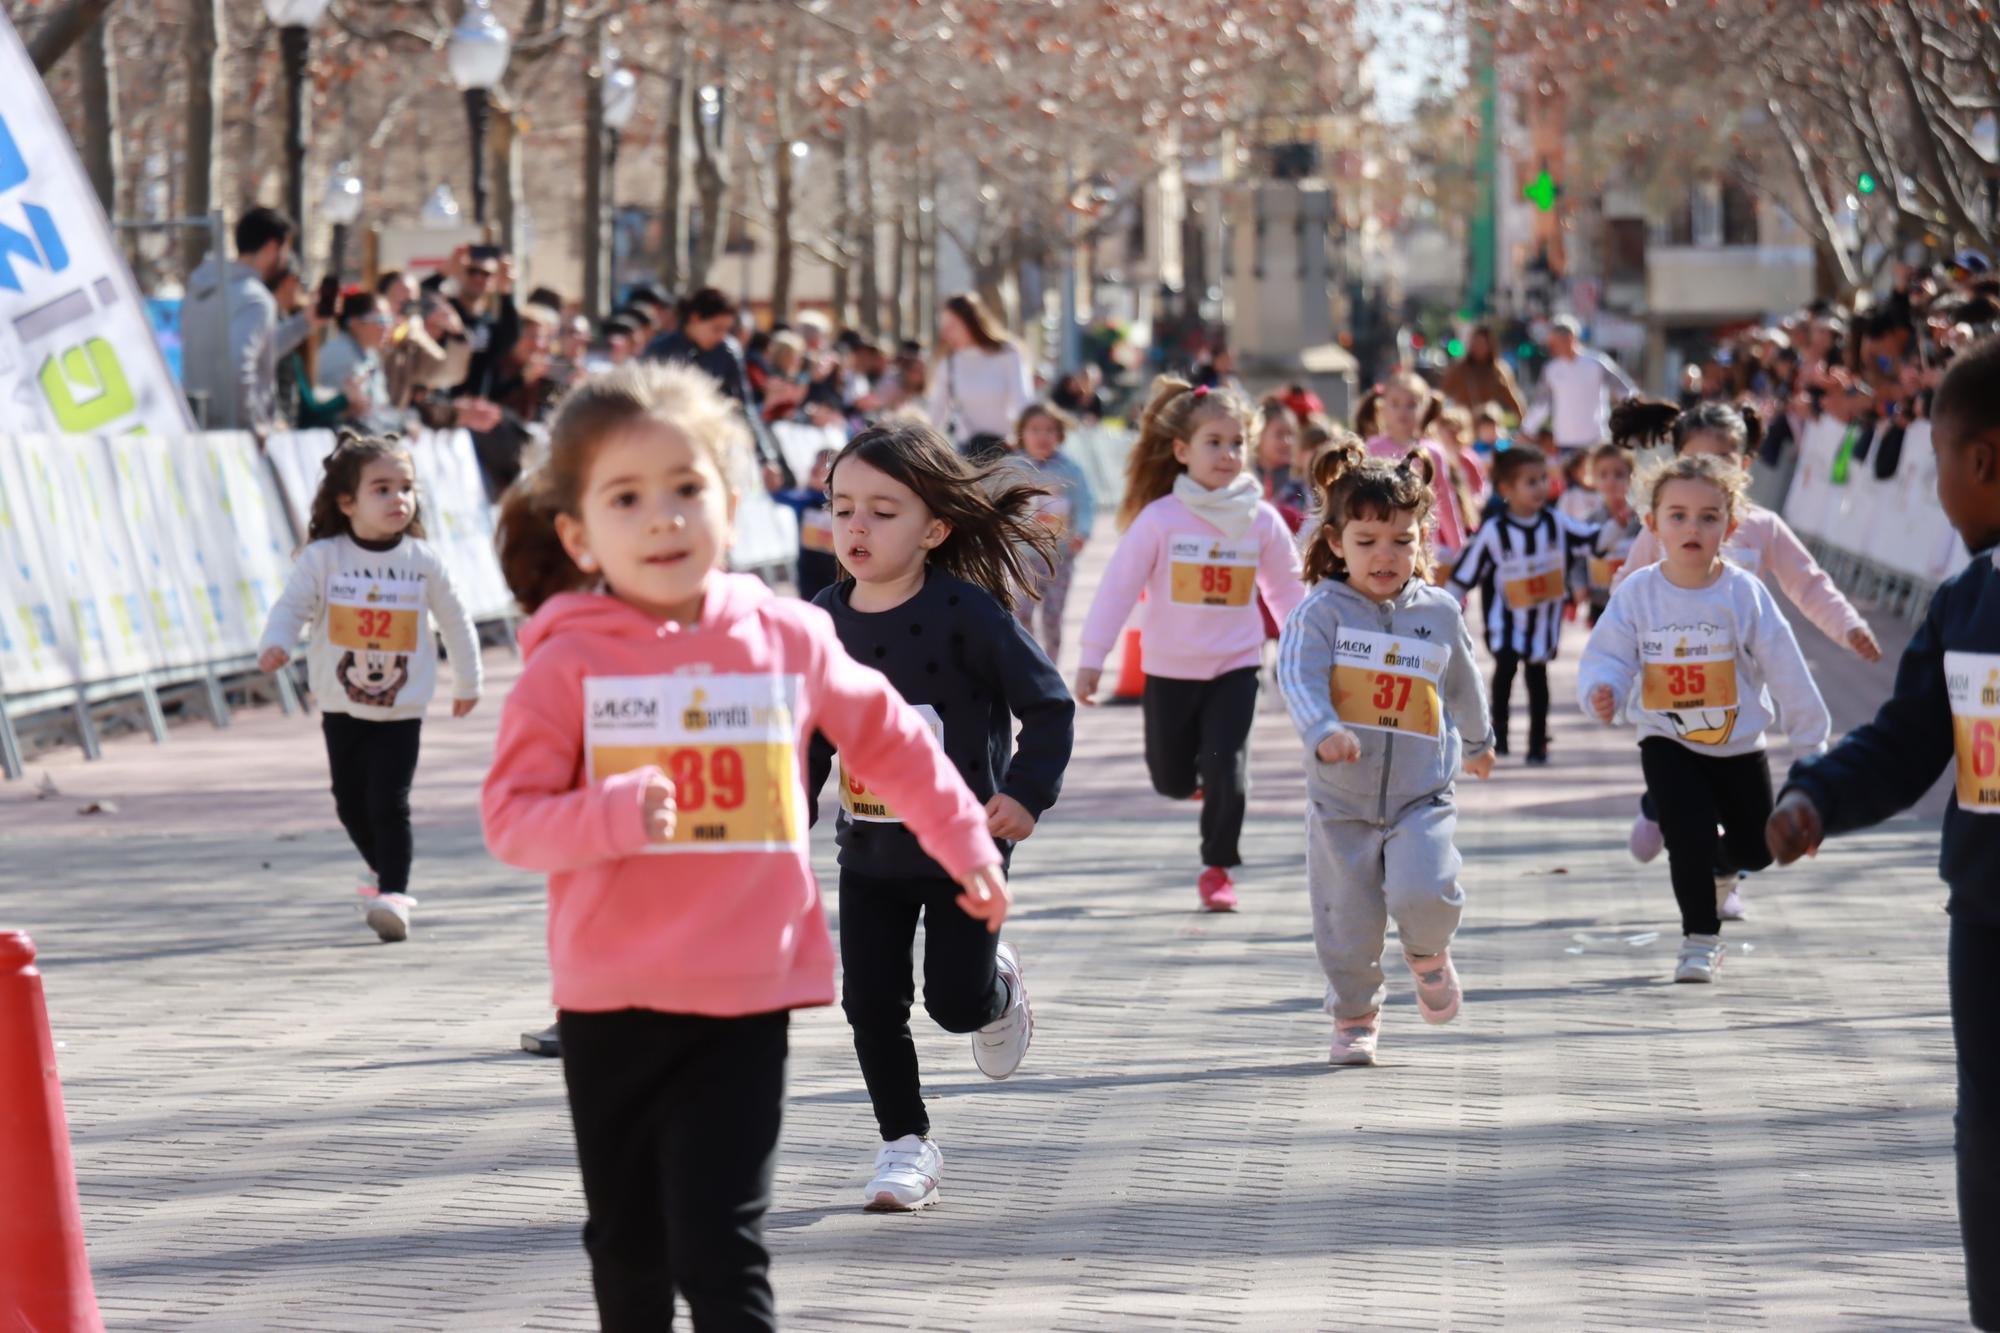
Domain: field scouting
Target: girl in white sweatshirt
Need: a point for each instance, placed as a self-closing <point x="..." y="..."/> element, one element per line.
<point x="1694" y="650"/>
<point x="362" y="590"/>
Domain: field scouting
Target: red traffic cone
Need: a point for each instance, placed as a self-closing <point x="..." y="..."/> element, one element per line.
<point x="44" y="1272"/>
<point x="1131" y="674"/>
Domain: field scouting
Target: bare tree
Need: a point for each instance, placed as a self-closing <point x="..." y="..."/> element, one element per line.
<point x="99" y="86"/>
<point x="201" y="67"/>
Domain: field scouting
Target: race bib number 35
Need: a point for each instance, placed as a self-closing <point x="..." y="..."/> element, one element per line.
<point x="861" y="803"/>
<point x="1972" y="683"/>
<point x="374" y="615"/>
<point x="1529" y="581"/>
<point x="1207" y="571"/>
<point x="1383" y="682"/>
<point x="727" y="743"/>
<point x="1679" y="673"/>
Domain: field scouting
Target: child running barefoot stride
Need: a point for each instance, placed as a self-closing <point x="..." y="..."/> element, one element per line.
<point x="1198" y="538"/>
<point x="931" y="546"/>
<point x="1694" y="649"/>
<point x="1377" y="669"/>
<point x="1946" y="707"/>
<point x="1763" y="543"/>
<point x="363" y="586"/>
<point x="648" y="762"/>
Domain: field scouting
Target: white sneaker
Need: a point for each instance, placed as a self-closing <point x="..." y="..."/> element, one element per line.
<point x="388" y="915"/>
<point x="1646" y="840"/>
<point x="1701" y="958"/>
<point x="546" y="1042"/>
<point x="906" y="1176"/>
<point x="999" y="1047"/>
<point x="1729" y="898"/>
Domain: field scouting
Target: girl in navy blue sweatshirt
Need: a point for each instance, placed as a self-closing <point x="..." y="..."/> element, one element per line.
<point x="1946" y="710"/>
<point x="931" y="549"/>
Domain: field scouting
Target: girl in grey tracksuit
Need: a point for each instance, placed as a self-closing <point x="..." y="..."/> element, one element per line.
<point x="1377" y="670"/>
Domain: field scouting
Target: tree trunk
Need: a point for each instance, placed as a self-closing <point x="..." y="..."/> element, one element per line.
<point x="98" y="88"/>
<point x="593" y="175"/>
<point x="63" y="30"/>
<point x="843" y="235"/>
<point x="783" y="250"/>
<point x="503" y="169"/>
<point x="673" y="163"/>
<point x="865" y="231"/>
<point x="899" y="245"/>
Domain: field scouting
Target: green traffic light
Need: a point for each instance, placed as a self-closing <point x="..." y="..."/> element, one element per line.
<point x="1865" y="183"/>
<point x="1541" y="192"/>
<point x="1456" y="347"/>
<point x="1525" y="349"/>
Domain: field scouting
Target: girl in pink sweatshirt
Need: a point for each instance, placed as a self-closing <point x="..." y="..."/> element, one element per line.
<point x="1392" y="418"/>
<point x="1198" y="538"/>
<point x="649" y="761"/>
<point x="1762" y="542"/>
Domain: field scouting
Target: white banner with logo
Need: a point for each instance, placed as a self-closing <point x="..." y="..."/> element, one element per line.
<point x="77" y="353"/>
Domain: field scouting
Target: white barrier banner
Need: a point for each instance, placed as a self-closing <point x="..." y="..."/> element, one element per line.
<point x="299" y="458"/>
<point x="77" y="353"/>
<point x="157" y="514"/>
<point x="458" y="518"/>
<point x="106" y="590"/>
<point x="801" y="443"/>
<point x="37" y="651"/>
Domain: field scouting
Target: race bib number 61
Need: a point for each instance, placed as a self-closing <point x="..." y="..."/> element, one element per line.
<point x="1972" y="683"/>
<point x="727" y="743"/>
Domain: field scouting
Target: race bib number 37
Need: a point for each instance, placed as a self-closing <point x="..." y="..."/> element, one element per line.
<point x="727" y="743"/>
<point x="1972" y="683"/>
<point x="861" y="803"/>
<point x="1206" y="571"/>
<point x="374" y="615"/>
<point x="1383" y="682"/>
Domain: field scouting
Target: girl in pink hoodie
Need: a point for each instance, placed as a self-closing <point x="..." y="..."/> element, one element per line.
<point x="1762" y="542"/>
<point x="1198" y="537"/>
<point x="1393" y="417"/>
<point x="649" y="761"/>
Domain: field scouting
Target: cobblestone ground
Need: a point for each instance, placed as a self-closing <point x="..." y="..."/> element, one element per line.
<point x="281" y="1124"/>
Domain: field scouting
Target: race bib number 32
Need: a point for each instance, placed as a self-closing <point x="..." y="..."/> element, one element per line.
<point x="374" y="615"/>
<point x="1206" y="571"/>
<point x="727" y="743"/>
<point x="1529" y="581"/>
<point x="1972" y="683"/>
<point x="1383" y="682"/>
<point x="861" y="803"/>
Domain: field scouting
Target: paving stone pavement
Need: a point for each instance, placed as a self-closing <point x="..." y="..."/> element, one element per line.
<point x="281" y="1124"/>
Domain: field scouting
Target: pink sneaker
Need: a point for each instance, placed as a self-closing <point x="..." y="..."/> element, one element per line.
<point x="1437" y="986"/>
<point x="1218" y="891"/>
<point x="1354" y="1040"/>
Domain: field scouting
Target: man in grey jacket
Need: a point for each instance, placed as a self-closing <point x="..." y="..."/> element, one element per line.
<point x="231" y="336"/>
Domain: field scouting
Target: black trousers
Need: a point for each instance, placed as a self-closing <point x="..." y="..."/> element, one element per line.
<point x="1693" y="794"/>
<point x="962" y="990"/>
<point x="677" y="1119"/>
<point x="1975" y="1030"/>
<point x="1505" y="664"/>
<point x="1198" y="736"/>
<point x="373" y="765"/>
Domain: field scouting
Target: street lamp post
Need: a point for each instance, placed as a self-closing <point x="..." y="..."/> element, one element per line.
<point x="342" y="207"/>
<point x="621" y="103"/>
<point x="294" y="20"/>
<point x="477" y="57"/>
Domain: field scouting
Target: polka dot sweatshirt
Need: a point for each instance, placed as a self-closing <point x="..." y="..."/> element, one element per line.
<point x="969" y="669"/>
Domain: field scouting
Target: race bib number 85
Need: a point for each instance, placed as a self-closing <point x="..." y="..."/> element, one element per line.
<point x="1385" y="683"/>
<point x="1207" y="571"/>
<point x="374" y="615"/>
<point x="727" y="743"/>
<point x="1972" y="683"/>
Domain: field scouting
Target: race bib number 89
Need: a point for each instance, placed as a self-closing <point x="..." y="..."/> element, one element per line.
<point x="374" y="615"/>
<point x="1382" y="682"/>
<point x="1972" y="683"/>
<point x="1206" y="571"/>
<point x="727" y="743"/>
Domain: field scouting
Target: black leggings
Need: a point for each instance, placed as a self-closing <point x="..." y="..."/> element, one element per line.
<point x="1694" y="793"/>
<point x="1504" y="666"/>
<point x="677" y="1119"/>
<point x="962" y="990"/>
<point x="373" y="765"/>
<point x="1975" y="1030"/>
<point x="1198" y="736"/>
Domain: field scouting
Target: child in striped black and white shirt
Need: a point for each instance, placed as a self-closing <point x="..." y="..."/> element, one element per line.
<point x="1519" y="559"/>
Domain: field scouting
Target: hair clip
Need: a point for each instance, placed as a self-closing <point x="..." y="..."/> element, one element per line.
<point x="1201" y="391"/>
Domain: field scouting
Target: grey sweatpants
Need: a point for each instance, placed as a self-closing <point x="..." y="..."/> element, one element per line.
<point x="1053" y="585"/>
<point x="1360" y="874"/>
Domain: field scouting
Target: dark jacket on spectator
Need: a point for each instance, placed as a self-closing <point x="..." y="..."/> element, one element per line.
<point x="724" y="364"/>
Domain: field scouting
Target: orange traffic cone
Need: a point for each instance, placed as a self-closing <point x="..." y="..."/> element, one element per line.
<point x="44" y="1273"/>
<point x="1131" y="675"/>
